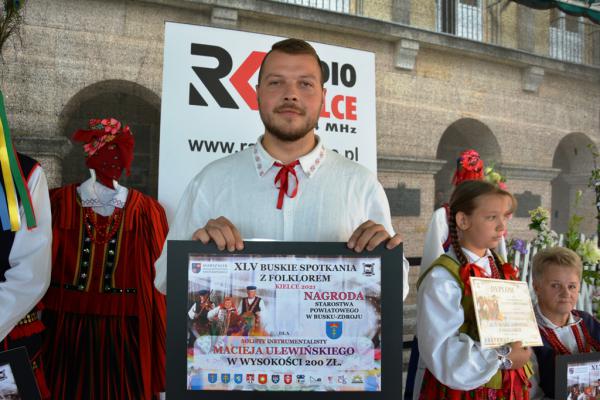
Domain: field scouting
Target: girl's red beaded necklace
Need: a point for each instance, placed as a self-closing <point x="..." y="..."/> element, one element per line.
<point x="493" y="268"/>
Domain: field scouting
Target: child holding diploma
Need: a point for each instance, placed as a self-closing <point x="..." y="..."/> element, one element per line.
<point x="457" y="366"/>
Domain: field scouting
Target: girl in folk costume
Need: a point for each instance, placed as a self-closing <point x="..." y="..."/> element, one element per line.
<point x="469" y="167"/>
<point x="25" y="248"/>
<point x="106" y="321"/>
<point x="457" y="366"/>
<point x="557" y="280"/>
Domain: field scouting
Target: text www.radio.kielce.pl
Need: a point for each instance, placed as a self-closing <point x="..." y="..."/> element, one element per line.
<point x="216" y="146"/>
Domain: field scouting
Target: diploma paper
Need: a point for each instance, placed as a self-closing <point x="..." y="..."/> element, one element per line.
<point x="504" y="313"/>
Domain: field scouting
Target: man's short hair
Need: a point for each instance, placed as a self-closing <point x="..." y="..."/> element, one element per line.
<point x="293" y="46"/>
<point x="560" y="256"/>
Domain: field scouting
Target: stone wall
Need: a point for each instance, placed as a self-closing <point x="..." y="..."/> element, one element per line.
<point x="72" y="51"/>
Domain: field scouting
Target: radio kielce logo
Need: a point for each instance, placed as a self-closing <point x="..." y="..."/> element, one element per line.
<point x="340" y="107"/>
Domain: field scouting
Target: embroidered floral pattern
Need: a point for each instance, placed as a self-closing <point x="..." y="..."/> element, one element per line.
<point x="260" y="161"/>
<point x="111" y="128"/>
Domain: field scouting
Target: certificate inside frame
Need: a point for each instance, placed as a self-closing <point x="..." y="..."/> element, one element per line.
<point x="389" y="377"/>
<point x="17" y="380"/>
<point x="564" y="363"/>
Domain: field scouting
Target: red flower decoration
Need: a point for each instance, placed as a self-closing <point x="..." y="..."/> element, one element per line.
<point x="469" y="167"/>
<point x="102" y="131"/>
<point x="111" y="125"/>
<point x="471" y="161"/>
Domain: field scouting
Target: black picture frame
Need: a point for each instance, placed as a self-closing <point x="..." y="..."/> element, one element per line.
<point x="562" y="365"/>
<point x="18" y="362"/>
<point x="177" y="308"/>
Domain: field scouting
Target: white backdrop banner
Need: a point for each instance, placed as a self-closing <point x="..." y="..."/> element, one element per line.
<point x="209" y="107"/>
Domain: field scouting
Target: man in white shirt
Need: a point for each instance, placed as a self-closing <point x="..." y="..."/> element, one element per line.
<point x="288" y="186"/>
<point x="25" y="256"/>
<point x="25" y="265"/>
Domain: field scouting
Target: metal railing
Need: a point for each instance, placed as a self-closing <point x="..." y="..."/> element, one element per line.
<point x="472" y="19"/>
<point x="574" y="40"/>
<point x="569" y="38"/>
<point x="354" y="7"/>
<point x="462" y="18"/>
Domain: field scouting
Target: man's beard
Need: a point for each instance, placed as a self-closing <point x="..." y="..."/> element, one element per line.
<point x="289" y="134"/>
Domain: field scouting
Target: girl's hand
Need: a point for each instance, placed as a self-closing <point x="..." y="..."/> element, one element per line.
<point x="519" y="355"/>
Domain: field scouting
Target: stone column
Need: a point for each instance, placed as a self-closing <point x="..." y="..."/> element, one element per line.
<point x="526" y="28"/>
<point x="595" y="44"/>
<point x="401" y="11"/>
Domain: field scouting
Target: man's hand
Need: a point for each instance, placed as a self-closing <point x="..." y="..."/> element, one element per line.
<point x="519" y="355"/>
<point x="222" y="232"/>
<point x="370" y="235"/>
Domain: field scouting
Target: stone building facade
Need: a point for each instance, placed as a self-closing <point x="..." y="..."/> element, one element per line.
<point x="451" y="74"/>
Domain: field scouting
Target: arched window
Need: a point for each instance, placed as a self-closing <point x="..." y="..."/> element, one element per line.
<point x="574" y="158"/>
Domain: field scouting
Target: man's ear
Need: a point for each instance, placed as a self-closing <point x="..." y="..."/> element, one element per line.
<point x="462" y="221"/>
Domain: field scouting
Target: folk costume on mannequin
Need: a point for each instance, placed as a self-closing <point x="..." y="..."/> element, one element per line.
<point x="106" y="322"/>
<point x="26" y="239"/>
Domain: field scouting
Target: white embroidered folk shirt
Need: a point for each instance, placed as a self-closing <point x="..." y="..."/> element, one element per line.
<point x="335" y="195"/>
<point x="453" y="358"/>
<point x="28" y="277"/>
<point x="102" y="199"/>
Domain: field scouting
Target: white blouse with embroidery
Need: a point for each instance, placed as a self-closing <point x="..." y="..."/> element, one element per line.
<point x="335" y="195"/>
